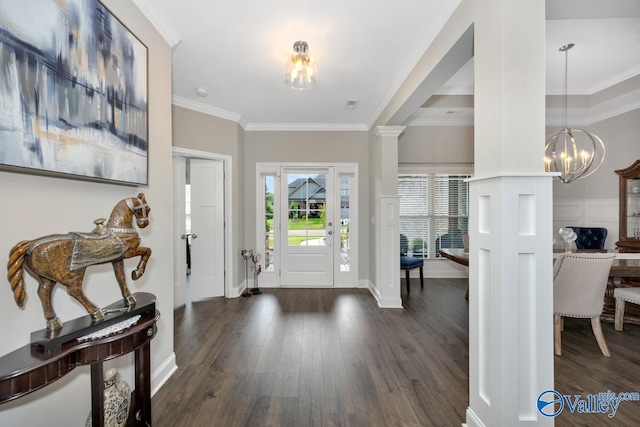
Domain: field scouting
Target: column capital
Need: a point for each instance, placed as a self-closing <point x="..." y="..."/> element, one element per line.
<point x="382" y="131"/>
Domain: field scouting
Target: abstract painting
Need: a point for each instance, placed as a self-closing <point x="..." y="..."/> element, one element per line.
<point x="73" y="92"/>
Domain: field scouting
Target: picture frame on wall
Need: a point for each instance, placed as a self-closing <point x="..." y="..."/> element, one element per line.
<point x="73" y="92"/>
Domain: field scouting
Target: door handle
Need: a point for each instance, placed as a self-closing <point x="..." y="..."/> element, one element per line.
<point x="194" y="236"/>
<point x="184" y="236"/>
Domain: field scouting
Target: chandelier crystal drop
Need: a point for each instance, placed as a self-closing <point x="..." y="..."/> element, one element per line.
<point x="301" y="71"/>
<point x="574" y="153"/>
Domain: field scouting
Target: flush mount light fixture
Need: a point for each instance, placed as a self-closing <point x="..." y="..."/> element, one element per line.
<point x="575" y="153"/>
<point x="301" y="71"/>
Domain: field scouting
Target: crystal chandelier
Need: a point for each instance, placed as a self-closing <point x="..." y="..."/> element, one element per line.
<point x="301" y="71"/>
<point x="575" y="153"/>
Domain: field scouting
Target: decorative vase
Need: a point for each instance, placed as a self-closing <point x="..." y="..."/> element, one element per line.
<point x="117" y="400"/>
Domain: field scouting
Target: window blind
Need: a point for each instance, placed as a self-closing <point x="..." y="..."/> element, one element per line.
<point x="434" y="213"/>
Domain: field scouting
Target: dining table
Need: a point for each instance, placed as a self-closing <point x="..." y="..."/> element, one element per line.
<point x="625" y="272"/>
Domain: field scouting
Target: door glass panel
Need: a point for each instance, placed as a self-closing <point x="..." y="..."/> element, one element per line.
<point x="306" y="209"/>
<point x="269" y="236"/>
<point x="345" y="196"/>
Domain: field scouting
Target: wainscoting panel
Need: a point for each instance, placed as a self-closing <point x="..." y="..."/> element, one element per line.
<point x="587" y="213"/>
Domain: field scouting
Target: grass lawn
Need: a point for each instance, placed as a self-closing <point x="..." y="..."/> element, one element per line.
<point x="310" y="223"/>
<point x="301" y="224"/>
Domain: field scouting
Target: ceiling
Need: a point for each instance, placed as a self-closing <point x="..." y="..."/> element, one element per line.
<point x="237" y="52"/>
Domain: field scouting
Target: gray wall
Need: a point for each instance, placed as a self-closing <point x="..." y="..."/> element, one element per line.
<point x="592" y="201"/>
<point x="436" y="144"/>
<point x="199" y="131"/>
<point x="621" y="137"/>
<point x="37" y="205"/>
<point x="454" y="144"/>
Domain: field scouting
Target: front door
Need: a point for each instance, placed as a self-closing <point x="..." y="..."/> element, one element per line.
<point x="307" y="226"/>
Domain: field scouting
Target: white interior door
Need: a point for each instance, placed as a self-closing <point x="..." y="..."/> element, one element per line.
<point x="307" y="226"/>
<point x="179" y="244"/>
<point x="207" y="228"/>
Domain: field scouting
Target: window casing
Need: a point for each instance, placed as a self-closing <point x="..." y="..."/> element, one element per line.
<point x="434" y="212"/>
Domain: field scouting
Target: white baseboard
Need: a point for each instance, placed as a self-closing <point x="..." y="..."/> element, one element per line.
<point x="384" y="303"/>
<point x="163" y="373"/>
<point x="374" y="291"/>
<point x="179" y="292"/>
<point x="364" y="284"/>
<point x="472" y="419"/>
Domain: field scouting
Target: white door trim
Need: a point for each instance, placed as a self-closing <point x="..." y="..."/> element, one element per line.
<point x="228" y="217"/>
<point x="271" y="278"/>
<point x="178" y="168"/>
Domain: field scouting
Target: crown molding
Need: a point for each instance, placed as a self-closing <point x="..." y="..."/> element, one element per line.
<point x="615" y="107"/>
<point x="596" y="113"/>
<point x="180" y="101"/>
<point x="630" y="101"/>
<point x="442" y="117"/>
<point x="597" y="87"/>
<point x="417" y="55"/>
<point x="393" y="131"/>
<point x="161" y="23"/>
<point x="315" y="127"/>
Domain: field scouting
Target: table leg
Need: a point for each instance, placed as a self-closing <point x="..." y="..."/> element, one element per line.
<point x="142" y="393"/>
<point x="97" y="395"/>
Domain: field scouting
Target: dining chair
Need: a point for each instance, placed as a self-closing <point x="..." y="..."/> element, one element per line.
<point x="579" y="284"/>
<point x="621" y="296"/>
<point x="590" y="237"/>
<point x="408" y="263"/>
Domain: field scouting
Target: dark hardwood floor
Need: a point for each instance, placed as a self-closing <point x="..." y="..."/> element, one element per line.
<point x="331" y="357"/>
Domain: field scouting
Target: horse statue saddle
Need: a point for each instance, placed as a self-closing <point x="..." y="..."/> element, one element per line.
<point x="98" y="246"/>
<point x="100" y="232"/>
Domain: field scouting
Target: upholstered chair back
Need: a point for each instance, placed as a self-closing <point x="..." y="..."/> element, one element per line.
<point x="579" y="283"/>
<point x="404" y="245"/>
<point x="590" y="237"/>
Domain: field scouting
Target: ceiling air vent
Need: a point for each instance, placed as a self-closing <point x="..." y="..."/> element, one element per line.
<point x="351" y="104"/>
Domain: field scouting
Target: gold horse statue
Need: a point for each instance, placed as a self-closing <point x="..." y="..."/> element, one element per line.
<point x="63" y="258"/>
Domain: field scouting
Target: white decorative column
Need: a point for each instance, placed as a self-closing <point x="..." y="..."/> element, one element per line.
<point x="510" y="300"/>
<point x="510" y="226"/>
<point x="387" y="225"/>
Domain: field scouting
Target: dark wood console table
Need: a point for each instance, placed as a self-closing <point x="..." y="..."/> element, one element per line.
<point x="31" y="367"/>
<point x="626" y="270"/>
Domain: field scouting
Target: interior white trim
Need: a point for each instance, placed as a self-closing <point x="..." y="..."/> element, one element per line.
<point x="160" y="21"/>
<point x="228" y="209"/>
<point x="317" y="127"/>
<point x="424" y="168"/>
<point x="554" y="116"/>
<point x="200" y="107"/>
<point x="163" y="373"/>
